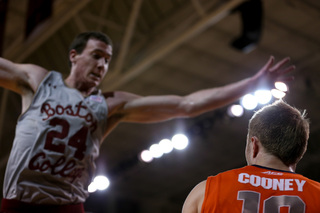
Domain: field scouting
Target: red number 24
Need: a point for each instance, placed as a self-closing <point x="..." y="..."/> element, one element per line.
<point x="78" y="140"/>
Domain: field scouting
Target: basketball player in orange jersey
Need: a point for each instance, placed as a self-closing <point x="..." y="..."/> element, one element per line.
<point x="276" y="141"/>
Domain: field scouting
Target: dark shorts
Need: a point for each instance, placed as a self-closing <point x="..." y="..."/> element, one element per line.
<point x="15" y="206"/>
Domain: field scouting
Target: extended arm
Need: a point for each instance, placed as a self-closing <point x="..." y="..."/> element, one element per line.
<point x="21" y="78"/>
<point x="132" y="108"/>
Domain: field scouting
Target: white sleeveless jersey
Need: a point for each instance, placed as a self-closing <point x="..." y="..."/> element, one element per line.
<point x="57" y="140"/>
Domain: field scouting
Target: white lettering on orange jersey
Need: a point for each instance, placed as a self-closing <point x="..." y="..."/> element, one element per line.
<point x="280" y="184"/>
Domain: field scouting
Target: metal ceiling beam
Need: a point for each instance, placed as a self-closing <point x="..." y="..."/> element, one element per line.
<point x="44" y="32"/>
<point x="102" y="22"/>
<point x="199" y="27"/>
<point x="81" y="26"/>
<point x="198" y="7"/>
<point x="127" y="36"/>
<point x="104" y="10"/>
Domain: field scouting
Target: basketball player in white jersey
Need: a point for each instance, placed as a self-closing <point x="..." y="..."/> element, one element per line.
<point x="64" y="121"/>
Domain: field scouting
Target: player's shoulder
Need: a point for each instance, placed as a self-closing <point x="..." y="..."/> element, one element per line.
<point x="313" y="183"/>
<point x="229" y="174"/>
<point x="34" y="73"/>
<point x="32" y="70"/>
<point x="238" y="170"/>
<point x="120" y="95"/>
<point x="116" y="99"/>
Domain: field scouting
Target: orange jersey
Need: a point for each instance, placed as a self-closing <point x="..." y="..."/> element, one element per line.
<point x="255" y="189"/>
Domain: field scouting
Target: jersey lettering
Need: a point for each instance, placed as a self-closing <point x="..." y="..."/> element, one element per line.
<point x="79" y="110"/>
<point x="280" y="184"/>
<point x="60" y="167"/>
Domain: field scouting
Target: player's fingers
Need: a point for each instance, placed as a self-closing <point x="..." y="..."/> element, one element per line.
<point x="279" y="64"/>
<point x="269" y="63"/>
<point x="287" y="70"/>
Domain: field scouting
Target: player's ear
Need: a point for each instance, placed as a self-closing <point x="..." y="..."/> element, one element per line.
<point x="255" y="146"/>
<point x="72" y="55"/>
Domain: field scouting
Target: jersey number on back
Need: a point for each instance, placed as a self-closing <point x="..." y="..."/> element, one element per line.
<point x="251" y="202"/>
<point x="78" y="140"/>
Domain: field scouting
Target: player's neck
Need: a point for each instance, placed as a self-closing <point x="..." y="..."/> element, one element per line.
<point x="274" y="162"/>
<point x="84" y="90"/>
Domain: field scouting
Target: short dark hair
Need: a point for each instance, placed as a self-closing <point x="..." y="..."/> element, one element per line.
<point x="283" y="131"/>
<point x="80" y="41"/>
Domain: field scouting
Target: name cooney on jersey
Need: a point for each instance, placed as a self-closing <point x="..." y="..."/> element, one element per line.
<point x="280" y="184"/>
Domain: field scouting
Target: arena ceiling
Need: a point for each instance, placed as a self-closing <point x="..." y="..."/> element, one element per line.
<point x="168" y="47"/>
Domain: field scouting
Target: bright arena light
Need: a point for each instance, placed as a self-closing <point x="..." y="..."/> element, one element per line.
<point x="92" y="187"/>
<point x="166" y="146"/>
<point x="277" y="93"/>
<point x="235" y="110"/>
<point x="155" y="151"/>
<point x="102" y="182"/>
<point x="281" y="86"/>
<point x="146" y="156"/>
<point x="263" y="96"/>
<point x="180" y="141"/>
<point x="99" y="183"/>
<point x="249" y="102"/>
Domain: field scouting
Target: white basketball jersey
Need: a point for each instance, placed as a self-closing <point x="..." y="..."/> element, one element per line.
<point x="57" y="140"/>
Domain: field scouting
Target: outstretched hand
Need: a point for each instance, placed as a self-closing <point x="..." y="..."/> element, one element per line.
<point x="271" y="73"/>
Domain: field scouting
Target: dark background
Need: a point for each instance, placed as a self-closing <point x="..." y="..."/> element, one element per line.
<point x="168" y="47"/>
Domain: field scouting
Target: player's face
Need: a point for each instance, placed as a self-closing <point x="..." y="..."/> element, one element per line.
<point x="93" y="63"/>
